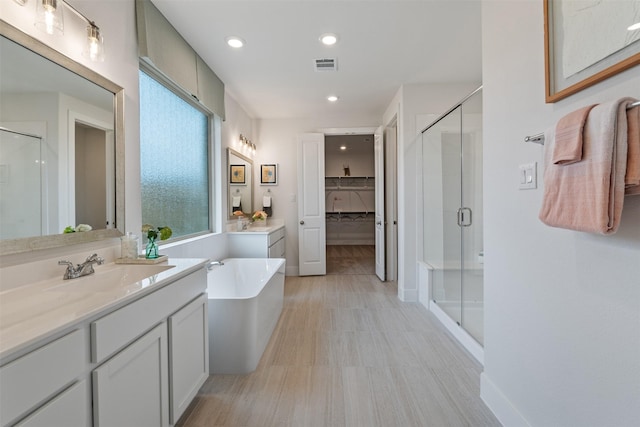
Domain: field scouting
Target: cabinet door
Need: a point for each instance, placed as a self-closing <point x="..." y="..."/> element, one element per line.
<point x="131" y="388"/>
<point x="70" y="408"/>
<point x="188" y="354"/>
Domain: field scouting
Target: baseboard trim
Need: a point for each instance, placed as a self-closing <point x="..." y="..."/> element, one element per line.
<point x="498" y="403"/>
<point x="408" y="295"/>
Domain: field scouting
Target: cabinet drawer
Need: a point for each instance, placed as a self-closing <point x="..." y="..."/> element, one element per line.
<point x="30" y="380"/>
<point x="116" y="330"/>
<point x="275" y="236"/>
<point x="277" y="249"/>
<point x="69" y="408"/>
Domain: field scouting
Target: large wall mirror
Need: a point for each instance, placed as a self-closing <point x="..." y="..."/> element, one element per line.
<point x="61" y="148"/>
<point x="240" y="182"/>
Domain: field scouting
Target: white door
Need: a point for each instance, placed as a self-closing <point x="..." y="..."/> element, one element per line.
<point x="378" y="147"/>
<point x="311" y="205"/>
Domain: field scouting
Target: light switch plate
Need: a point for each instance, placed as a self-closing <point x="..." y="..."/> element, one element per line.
<point x="528" y="176"/>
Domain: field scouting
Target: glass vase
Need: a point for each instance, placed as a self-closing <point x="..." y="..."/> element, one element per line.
<point x="152" y="249"/>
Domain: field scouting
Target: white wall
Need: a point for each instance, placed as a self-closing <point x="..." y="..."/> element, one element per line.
<point x="562" y="308"/>
<point x="277" y="143"/>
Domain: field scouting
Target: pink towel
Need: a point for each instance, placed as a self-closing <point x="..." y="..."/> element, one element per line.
<point x="588" y="195"/>
<point x="632" y="177"/>
<point x="568" y="147"/>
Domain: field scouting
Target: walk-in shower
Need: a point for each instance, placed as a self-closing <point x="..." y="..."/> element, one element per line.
<point x="20" y="185"/>
<point x="452" y="243"/>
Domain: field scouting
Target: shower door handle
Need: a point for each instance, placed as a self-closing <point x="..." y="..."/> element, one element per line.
<point x="465" y="217"/>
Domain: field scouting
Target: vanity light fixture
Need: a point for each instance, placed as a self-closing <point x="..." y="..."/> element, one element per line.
<point x="329" y="39"/>
<point x="94" y="49"/>
<point x="634" y="27"/>
<point x="235" y="42"/>
<point x="247" y="144"/>
<point x="332" y="98"/>
<point x="49" y="17"/>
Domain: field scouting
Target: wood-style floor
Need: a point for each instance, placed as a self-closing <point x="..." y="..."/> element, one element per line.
<point x="347" y="352"/>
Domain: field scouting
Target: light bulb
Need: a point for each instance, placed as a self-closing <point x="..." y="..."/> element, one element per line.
<point x="49" y="17"/>
<point x="94" y="49"/>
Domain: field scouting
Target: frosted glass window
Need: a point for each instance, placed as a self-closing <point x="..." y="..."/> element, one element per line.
<point x="174" y="160"/>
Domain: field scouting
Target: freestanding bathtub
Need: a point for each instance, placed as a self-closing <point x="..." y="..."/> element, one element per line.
<point x="245" y="301"/>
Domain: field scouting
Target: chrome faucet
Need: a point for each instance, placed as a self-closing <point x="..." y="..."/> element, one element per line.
<point x="83" y="269"/>
<point x="212" y="263"/>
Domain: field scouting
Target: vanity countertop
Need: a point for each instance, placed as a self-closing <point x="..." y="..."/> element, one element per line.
<point x="32" y="312"/>
<point x="272" y="226"/>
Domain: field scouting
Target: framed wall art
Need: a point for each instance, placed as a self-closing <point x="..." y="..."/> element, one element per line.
<point x="236" y="175"/>
<point x="269" y="174"/>
<point x="588" y="42"/>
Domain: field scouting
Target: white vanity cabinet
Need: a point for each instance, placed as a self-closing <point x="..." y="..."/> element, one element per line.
<point x="152" y="378"/>
<point x="258" y="244"/>
<point x="132" y="387"/>
<point x="44" y="379"/>
<point x="136" y="362"/>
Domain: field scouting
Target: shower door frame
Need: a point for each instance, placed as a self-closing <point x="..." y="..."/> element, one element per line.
<point x="455" y="325"/>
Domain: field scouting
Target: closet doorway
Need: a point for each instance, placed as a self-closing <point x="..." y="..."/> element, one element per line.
<point x="350" y="204"/>
<point x="346" y="186"/>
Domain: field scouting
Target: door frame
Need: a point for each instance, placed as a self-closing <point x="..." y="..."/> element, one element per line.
<point x="391" y="192"/>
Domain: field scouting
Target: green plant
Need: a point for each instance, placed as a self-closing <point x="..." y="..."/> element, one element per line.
<point x="153" y="233"/>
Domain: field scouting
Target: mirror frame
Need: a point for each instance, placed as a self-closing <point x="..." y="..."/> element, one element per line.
<point x="231" y="151"/>
<point x="28" y="244"/>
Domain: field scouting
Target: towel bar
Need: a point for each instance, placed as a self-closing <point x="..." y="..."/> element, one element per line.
<point x="539" y="137"/>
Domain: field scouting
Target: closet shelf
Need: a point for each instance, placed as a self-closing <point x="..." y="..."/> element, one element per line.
<point x="349" y="188"/>
<point x="349" y="183"/>
<point x="351" y="213"/>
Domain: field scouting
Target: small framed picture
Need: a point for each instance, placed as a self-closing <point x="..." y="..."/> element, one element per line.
<point x="236" y="174"/>
<point x="269" y="174"/>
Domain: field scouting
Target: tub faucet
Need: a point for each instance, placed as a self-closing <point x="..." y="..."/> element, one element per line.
<point x="212" y="263"/>
<point x="83" y="269"/>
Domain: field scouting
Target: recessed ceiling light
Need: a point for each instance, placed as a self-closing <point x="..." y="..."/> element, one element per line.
<point x="634" y="27"/>
<point x="329" y="39"/>
<point x="343" y="147"/>
<point x="235" y="42"/>
<point x="332" y="98"/>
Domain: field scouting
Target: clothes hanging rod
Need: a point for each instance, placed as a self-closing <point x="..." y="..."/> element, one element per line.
<point x="539" y="137"/>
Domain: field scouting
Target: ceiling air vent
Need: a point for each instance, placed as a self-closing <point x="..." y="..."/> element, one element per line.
<point x="326" y="64"/>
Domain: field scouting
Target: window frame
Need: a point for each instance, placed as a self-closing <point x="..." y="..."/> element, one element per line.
<point x="213" y="122"/>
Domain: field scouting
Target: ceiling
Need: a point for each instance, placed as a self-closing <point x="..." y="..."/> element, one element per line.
<point x="382" y="45"/>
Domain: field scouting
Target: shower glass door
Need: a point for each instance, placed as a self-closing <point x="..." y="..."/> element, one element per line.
<point x="20" y="185"/>
<point x="452" y="205"/>
<point x="442" y="193"/>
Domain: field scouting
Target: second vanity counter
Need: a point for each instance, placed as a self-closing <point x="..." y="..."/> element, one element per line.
<point x="258" y="242"/>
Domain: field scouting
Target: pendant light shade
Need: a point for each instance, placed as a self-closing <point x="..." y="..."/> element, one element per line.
<point x="94" y="49"/>
<point x="49" y="17"/>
